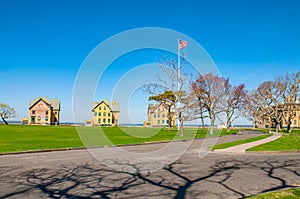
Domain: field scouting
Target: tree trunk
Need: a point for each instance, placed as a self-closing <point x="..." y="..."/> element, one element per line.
<point x="270" y="125"/>
<point x="212" y="123"/>
<point x="288" y="128"/>
<point x="254" y="124"/>
<point x="180" y="124"/>
<point x="228" y="126"/>
<point x="4" y="121"/>
<point x="201" y="113"/>
<point x="202" y="121"/>
<point x="181" y="127"/>
<point x="170" y="118"/>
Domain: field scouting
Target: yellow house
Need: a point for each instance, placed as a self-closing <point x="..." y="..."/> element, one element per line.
<point x="105" y="113"/>
<point x="43" y="111"/>
<point x="158" y="115"/>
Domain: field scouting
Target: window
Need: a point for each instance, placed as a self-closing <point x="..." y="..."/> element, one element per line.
<point x="100" y="108"/>
<point x="55" y="113"/>
<point x="108" y="121"/>
<point x="99" y="120"/>
<point x="39" y="118"/>
<point x="104" y="120"/>
<point x="154" y="115"/>
<point x="295" y="122"/>
<point x="104" y="114"/>
<point x="99" y="114"/>
<point x="158" y="115"/>
<point x="295" y="114"/>
<point x="108" y="114"/>
<point x="33" y="112"/>
<point x="46" y="118"/>
<point x="158" y="109"/>
<point x="163" y="121"/>
<point x="104" y="107"/>
<point x="158" y="121"/>
<point x="46" y="112"/>
<point x="167" y="121"/>
<point x="95" y="114"/>
<point x="163" y="115"/>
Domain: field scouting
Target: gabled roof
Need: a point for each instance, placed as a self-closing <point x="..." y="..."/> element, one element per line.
<point x="52" y="104"/>
<point x="153" y="107"/>
<point x="114" y="106"/>
<point x="34" y="102"/>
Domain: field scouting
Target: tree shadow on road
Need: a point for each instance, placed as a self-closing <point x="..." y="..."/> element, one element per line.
<point x="177" y="180"/>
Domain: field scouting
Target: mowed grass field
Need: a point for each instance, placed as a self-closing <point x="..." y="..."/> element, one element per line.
<point x="17" y="138"/>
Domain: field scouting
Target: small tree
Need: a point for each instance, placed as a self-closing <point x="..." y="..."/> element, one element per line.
<point x="169" y="99"/>
<point x="6" y="112"/>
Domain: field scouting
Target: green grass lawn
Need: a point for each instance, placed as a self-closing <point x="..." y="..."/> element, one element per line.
<point x="15" y="138"/>
<point x="235" y="143"/>
<point x="285" y="194"/>
<point x="288" y="142"/>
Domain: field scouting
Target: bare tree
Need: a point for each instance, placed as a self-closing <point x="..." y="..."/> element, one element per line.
<point x="173" y="82"/>
<point x="210" y="93"/>
<point x="6" y="112"/>
<point x="198" y="103"/>
<point x="271" y="93"/>
<point x="291" y="96"/>
<point x="234" y="99"/>
<point x="253" y="108"/>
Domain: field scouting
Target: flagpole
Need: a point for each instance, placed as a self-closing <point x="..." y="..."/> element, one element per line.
<point x="178" y="82"/>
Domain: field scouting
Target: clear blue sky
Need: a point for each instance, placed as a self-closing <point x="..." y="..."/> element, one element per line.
<point x="43" y="43"/>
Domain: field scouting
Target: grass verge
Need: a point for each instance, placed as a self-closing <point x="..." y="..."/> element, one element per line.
<point x="288" y="142"/>
<point x="239" y="142"/>
<point x="284" y="194"/>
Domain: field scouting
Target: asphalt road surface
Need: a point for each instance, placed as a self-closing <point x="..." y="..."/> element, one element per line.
<point x="78" y="174"/>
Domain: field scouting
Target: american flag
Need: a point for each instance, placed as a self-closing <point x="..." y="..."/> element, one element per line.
<point x="182" y="44"/>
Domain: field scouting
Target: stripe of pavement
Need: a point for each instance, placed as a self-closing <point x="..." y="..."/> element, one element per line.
<point x="243" y="147"/>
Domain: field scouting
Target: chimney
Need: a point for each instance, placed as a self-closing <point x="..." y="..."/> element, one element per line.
<point x="45" y="98"/>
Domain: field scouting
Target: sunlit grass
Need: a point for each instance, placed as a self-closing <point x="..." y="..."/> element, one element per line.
<point x="16" y="138"/>
<point x="239" y="142"/>
<point x="288" y="142"/>
<point x="284" y="194"/>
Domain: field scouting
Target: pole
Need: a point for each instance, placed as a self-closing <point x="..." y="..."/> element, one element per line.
<point x="178" y="83"/>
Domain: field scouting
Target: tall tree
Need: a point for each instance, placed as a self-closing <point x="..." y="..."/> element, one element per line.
<point x="291" y="96"/>
<point x="253" y="108"/>
<point x="6" y="112"/>
<point x="234" y="99"/>
<point x="171" y="81"/>
<point x="210" y="93"/>
<point x="271" y="93"/>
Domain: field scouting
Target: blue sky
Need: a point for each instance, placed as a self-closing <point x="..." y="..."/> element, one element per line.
<point x="43" y="43"/>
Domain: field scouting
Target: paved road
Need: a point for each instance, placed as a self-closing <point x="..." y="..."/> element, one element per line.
<point x="77" y="174"/>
